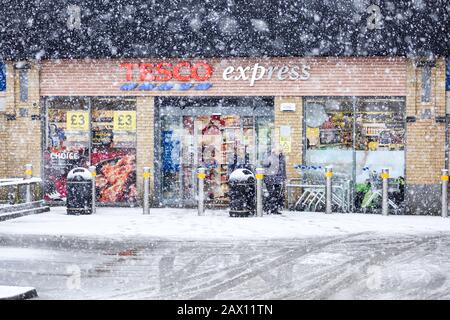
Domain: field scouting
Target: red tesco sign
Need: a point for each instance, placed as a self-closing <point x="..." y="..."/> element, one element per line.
<point x="165" y="71"/>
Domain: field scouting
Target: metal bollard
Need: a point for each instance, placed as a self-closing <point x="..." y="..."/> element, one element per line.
<point x="328" y="189"/>
<point x="385" y="204"/>
<point x="94" y="174"/>
<point x="444" y="179"/>
<point x="259" y="191"/>
<point x="28" y="175"/>
<point x="146" y="204"/>
<point x="201" y="193"/>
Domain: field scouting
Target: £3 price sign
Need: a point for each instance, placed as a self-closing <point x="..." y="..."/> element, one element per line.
<point x="77" y="120"/>
<point x="124" y="120"/>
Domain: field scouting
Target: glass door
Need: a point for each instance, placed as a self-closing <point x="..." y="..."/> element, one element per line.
<point x="171" y="133"/>
<point x="219" y="143"/>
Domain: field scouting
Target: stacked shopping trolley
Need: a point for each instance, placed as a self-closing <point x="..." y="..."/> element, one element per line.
<point x="310" y="190"/>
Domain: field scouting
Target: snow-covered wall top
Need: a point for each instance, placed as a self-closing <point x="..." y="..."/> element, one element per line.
<point x="222" y="28"/>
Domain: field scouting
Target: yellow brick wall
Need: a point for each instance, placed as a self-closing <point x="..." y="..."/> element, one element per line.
<point x="3" y="139"/>
<point x="425" y="138"/>
<point x="23" y="135"/>
<point x="145" y="142"/>
<point x="295" y="121"/>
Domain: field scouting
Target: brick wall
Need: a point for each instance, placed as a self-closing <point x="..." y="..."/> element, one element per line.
<point x="145" y="141"/>
<point x="3" y="142"/>
<point x="23" y="135"/>
<point x="328" y="77"/>
<point x="295" y="121"/>
<point x="425" y="140"/>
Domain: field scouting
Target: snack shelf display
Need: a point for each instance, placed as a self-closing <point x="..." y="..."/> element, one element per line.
<point x="380" y="131"/>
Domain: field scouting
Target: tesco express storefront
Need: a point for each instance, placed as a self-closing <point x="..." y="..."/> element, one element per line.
<point x="175" y="115"/>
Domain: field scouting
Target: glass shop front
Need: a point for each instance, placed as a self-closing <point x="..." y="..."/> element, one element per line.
<point x="97" y="131"/>
<point x="220" y="134"/>
<point x="358" y="136"/>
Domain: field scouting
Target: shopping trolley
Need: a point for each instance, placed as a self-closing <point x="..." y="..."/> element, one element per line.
<point x="311" y="185"/>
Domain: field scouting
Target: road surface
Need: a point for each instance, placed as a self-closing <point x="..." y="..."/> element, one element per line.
<point x="357" y="266"/>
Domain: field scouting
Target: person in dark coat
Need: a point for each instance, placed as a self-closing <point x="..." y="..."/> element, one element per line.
<point x="274" y="178"/>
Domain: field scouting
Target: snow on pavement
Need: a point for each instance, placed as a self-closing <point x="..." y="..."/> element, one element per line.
<point x="184" y="224"/>
<point x="11" y="292"/>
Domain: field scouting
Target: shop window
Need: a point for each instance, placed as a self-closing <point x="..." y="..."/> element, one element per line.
<point x="23" y="85"/>
<point x="380" y="137"/>
<point x="329" y="133"/>
<point x="426" y="84"/>
<point x="114" y="149"/>
<point x="358" y="137"/>
<point x="264" y="135"/>
<point x="2" y="77"/>
<point x="101" y="132"/>
<point x="67" y="143"/>
<point x="2" y="86"/>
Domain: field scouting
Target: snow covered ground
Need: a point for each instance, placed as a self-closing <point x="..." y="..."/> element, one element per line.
<point x="184" y="224"/>
<point x="175" y="254"/>
<point x="358" y="266"/>
<point x="13" y="292"/>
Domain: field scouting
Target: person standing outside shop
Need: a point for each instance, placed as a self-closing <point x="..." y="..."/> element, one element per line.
<point x="274" y="178"/>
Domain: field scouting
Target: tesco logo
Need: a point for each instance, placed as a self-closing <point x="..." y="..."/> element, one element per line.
<point x="165" y="71"/>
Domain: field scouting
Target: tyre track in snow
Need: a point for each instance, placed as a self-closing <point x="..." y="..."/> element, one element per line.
<point x="172" y="279"/>
<point x="269" y="269"/>
<point x="231" y="271"/>
<point x="320" y="289"/>
<point x="325" y="283"/>
<point x="237" y="274"/>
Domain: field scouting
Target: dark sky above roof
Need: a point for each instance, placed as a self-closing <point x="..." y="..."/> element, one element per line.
<point x="222" y="28"/>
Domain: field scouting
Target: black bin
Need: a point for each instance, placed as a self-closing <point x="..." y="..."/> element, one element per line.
<point x="79" y="191"/>
<point x="242" y="193"/>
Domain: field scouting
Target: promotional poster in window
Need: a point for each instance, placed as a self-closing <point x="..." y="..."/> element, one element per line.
<point x="113" y="153"/>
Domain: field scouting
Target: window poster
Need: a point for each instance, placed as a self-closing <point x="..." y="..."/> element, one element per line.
<point x="66" y="149"/>
<point x="104" y="137"/>
<point x="114" y="155"/>
<point x="285" y="138"/>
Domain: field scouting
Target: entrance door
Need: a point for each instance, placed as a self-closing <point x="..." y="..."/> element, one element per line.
<point x="223" y="143"/>
<point x="217" y="143"/>
<point x="218" y="139"/>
